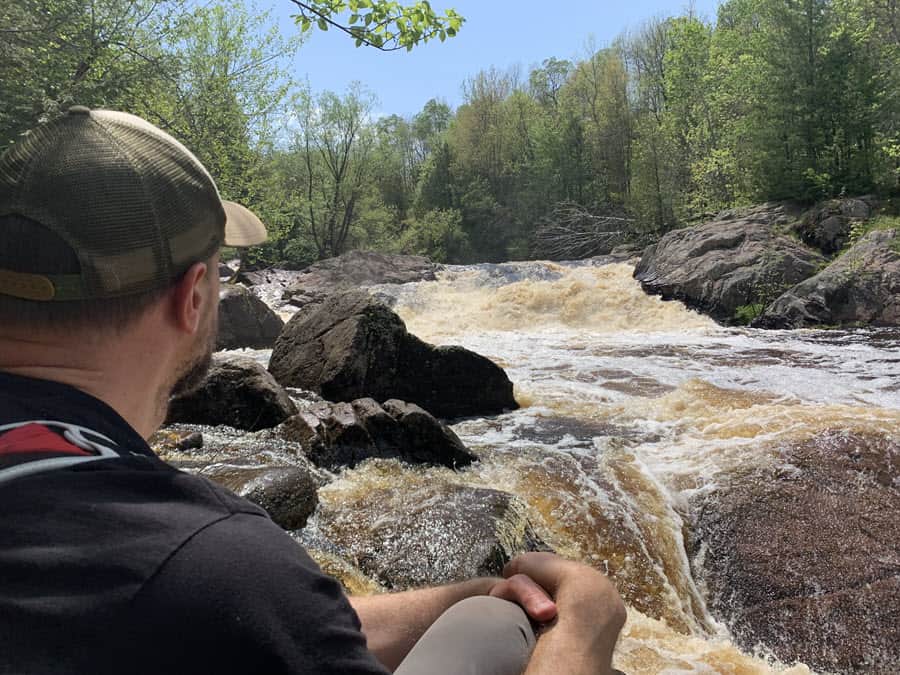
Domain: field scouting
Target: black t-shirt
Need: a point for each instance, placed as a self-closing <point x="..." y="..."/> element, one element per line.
<point x="112" y="561"/>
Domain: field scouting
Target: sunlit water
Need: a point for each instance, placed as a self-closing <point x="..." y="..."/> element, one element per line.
<point x="631" y="407"/>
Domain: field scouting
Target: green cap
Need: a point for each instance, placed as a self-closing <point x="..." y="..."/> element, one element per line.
<point x="135" y="205"/>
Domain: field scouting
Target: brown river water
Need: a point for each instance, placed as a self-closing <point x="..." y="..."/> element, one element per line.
<point x="631" y="408"/>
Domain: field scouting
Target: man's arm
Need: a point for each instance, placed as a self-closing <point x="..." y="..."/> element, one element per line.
<point x="394" y="622"/>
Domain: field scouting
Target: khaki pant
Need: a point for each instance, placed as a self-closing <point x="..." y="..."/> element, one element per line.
<point x="478" y="636"/>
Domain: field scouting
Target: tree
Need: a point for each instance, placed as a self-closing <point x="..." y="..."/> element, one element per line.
<point x="334" y="143"/>
<point x="545" y="82"/>
<point x="92" y="52"/>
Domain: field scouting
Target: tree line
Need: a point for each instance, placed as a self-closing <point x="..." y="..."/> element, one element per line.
<point x="673" y="121"/>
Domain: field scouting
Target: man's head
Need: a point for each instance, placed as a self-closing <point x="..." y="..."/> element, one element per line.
<point x="106" y="220"/>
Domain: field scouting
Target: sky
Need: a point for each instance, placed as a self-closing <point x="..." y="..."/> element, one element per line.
<point x="500" y="33"/>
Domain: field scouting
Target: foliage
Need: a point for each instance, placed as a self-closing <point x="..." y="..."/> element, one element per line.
<point x="882" y="222"/>
<point x="673" y="121"/>
<point x="437" y="234"/>
<point x="382" y="24"/>
<point x="745" y="314"/>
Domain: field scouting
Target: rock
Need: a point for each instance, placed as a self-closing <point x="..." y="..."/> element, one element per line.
<point x="423" y="439"/>
<point x="289" y="494"/>
<point x="429" y="534"/>
<point x="860" y="287"/>
<point x="192" y="441"/>
<point x="804" y="556"/>
<point x="351" y="346"/>
<point x="225" y="272"/>
<point x="827" y="227"/>
<point x="237" y="392"/>
<point x="174" y="439"/>
<point x="357" y="269"/>
<point x="334" y="435"/>
<point x="245" y="320"/>
<point x="735" y="261"/>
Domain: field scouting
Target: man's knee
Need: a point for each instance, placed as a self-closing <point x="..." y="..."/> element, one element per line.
<point x="477" y="636"/>
<point x="492" y="620"/>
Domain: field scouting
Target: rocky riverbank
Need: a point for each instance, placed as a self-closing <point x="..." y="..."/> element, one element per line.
<point x="778" y="266"/>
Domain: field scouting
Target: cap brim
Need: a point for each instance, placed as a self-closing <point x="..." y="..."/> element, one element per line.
<point x="242" y="227"/>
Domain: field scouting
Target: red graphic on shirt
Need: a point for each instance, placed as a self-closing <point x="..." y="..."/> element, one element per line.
<point x="36" y="438"/>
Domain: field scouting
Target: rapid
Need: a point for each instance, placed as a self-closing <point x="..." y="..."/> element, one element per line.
<point x="631" y="408"/>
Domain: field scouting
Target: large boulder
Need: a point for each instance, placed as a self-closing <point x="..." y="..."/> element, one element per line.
<point x="804" y="555"/>
<point x="289" y="494"/>
<point x="828" y="226"/>
<point x="740" y="259"/>
<point x="334" y="435"/>
<point x="237" y="392"/>
<point x="426" y="535"/>
<point x="245" y="320"/>
<point x="358" y="269"/>
<point x="860" y="287"/>
<point x="351" y="346"/>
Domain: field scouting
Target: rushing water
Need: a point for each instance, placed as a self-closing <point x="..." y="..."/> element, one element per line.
<point x="630" y="407"/>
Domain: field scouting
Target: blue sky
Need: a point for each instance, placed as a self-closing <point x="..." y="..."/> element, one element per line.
<point x="501" y="33"/>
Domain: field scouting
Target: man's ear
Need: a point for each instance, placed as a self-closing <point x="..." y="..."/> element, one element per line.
<point x="189" y="299"/>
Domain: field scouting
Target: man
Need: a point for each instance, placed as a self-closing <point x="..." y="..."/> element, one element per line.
<point x="111" y="561"/>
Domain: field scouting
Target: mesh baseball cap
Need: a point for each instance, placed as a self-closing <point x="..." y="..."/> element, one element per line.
<point x="136" y="206"/>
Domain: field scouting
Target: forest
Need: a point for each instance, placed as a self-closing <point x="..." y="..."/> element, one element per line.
<point x="675" y="120"/>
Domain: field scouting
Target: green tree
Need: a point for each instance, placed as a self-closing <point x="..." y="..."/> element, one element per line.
<point x="334" y="142"/>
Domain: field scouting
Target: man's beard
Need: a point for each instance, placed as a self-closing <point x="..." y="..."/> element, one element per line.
<point x="195" y="370"/>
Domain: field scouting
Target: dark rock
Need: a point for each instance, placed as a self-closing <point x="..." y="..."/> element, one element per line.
<point x="860" y="287"/>
<point x="827" y="227"/>
<point x="245" y="320"/>
<point x="718" y="267"/>
<point x="357" y="269"/>
<point x="804" y="556"/>
<point x="424" y="439"/>
<point x="192" y="441"/>
<point x="225" y="272"/>
<point x="237" y="392"/>
<point x="354" y="347"/>
<point x="289" y="494"/>
<point x="431" y="534"/>
<point x="334" y="435"/>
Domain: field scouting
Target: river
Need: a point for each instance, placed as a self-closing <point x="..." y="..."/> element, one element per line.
<point x="631" y="408"/>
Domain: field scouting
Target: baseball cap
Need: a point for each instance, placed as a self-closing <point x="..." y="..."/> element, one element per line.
<point x="136" y="206"/>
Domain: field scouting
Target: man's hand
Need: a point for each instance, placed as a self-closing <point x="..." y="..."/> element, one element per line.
<point x="589" y="613"/>
<point x="526" y="592"/>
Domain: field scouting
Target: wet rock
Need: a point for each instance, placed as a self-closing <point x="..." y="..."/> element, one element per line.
<point x="804" y="556"/>
<point x="827" y="227"/>
<point x="737" y="260"/>
<point x="351" y="346"/>
<point x="424" y="439"/>
<point x="192" y="441"/>
<point x="432" y="534"/>
<point x="357" y="269"/>
<point x="334" y="435"/>
<point x="237" y="392"/>
<point x="289" y="494"/>
<point x="245" y="320"/>
<point x="175" y="439"/>
<point x="860" y="287"/>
